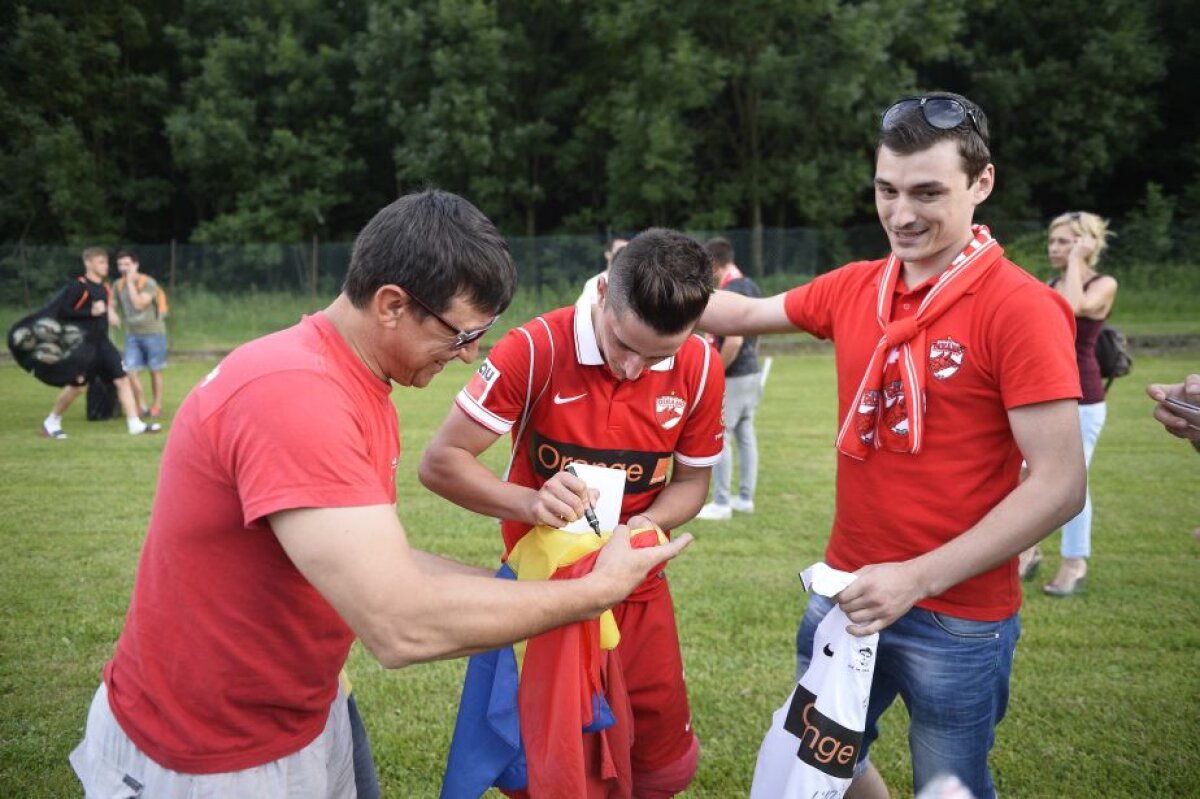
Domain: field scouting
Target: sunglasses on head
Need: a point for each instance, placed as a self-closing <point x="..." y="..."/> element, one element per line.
<point x="461" y="337"/>
<point x="943" y="113"/>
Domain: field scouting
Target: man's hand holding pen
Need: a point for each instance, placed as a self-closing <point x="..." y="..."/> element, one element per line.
<point x="561" y="500"/>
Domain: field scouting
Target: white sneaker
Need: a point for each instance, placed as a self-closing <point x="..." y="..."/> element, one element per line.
<point x="141" y="428"/>
<point x="742" y="505"/>
<point x="56" y="433"/>
<point x="714" y="512"/>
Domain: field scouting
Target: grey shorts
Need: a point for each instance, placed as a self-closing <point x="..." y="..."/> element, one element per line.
<point x="111" y="767"/>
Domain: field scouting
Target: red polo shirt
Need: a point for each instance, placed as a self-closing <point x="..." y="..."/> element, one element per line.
<point x="579" y="411"/>
<point x="1008" y="342"/>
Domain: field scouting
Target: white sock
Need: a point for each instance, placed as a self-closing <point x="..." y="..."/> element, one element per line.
<point x="53" y="422"/>
<point x="136" y="425"/>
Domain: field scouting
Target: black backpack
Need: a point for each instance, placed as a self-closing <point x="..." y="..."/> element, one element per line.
<point x="101" y="400"/>
<point x="1112" y="353"/>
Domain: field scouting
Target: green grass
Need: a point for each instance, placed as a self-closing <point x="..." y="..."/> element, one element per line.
<point x="1105" y="688"/>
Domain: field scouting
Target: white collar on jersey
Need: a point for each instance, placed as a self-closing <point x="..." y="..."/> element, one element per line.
<point x="587" y="350"/>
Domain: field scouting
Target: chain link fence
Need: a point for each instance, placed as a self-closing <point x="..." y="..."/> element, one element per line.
<point x="28" y="274"/>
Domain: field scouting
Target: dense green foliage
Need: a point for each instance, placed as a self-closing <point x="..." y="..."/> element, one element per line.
<point x="1104" y="685"/>
<point x="204" y="121"/>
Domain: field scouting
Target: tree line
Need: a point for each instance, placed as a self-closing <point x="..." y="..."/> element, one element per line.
<point x="284" y="120"/>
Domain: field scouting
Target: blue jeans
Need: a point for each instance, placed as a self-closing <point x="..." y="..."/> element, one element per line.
<point x="952" y="674"/>
<point x="1077" y="533"/>
<point x="366" y="780"/>
<point x="145" y="351"/>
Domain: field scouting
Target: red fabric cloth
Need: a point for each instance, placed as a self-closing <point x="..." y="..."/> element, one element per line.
<point x="561" y="672"/>
<point x="1008" y="342"/>
<point x="229" y="657"/>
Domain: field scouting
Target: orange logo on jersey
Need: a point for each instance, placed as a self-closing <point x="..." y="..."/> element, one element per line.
<point x="660" y="471"/>
<point x="668" y="410"/>
<point x="945" y="358"/>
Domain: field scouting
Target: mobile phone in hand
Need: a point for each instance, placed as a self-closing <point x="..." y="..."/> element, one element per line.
<point x="1184" y="410"/>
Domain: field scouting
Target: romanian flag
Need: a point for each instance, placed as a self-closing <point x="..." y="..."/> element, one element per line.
<point x="557" y="721"/>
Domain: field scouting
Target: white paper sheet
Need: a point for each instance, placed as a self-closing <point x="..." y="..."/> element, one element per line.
<point x="611" y="485"/>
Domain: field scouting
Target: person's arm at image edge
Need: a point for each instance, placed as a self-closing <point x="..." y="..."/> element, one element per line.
<point x="1047" y="434"/>
<point x="359" y="560"/>
<point x="1176" y="425"/>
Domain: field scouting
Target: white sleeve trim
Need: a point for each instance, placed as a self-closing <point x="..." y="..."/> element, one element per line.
<point x="703" y="375"/>
<point x="697" y="463"/>
<point x="482" y="415"/>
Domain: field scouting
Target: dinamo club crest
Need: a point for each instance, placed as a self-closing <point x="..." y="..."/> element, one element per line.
<point x="866" y="415"/>
<point x="945" y="358"/>
<point x="668" y="410"/>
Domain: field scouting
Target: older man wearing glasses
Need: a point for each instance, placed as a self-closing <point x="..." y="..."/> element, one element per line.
<point x="274" y="540"/>
<point x="953" y="364"/>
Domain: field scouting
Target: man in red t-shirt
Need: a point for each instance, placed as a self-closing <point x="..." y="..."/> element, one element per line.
<point x="621" y="383"/>
<point x="953" y="364"/>
<point x="274" y="540"/>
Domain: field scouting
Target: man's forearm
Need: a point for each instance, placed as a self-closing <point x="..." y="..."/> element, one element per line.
<point x="1033" y="510"/>
<point x="679" y="501"/>
<point x="436" y="564"/>
<point x="459" y="477"/>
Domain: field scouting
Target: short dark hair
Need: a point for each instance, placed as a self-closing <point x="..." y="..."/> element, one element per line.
<point x="909" y="133"/>
<point x="721" y="250"/>
<point x="438" y="245"/>
<point x="665" y="277"/>
<point x="127" y="254"/>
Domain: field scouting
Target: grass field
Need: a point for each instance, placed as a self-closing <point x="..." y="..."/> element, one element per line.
<point x="1106" y="685"/>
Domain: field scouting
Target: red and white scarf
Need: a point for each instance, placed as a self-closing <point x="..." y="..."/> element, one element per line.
<point x="884" y="413"/>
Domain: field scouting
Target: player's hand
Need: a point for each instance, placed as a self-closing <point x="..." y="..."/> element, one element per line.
<point x="622" y="568"/>
<point x="1188" y="391"/>
<point x="561" y="500"/>
<point x="882" y="593"/>
<point x="99" y="307"/>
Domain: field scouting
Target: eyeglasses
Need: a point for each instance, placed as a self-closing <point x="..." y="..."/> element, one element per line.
<point x="461" y="337"/>
<point x="943" y="113"/>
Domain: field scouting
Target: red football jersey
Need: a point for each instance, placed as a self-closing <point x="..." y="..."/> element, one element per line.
<point x="1008" y="342"/>
<point x="229" y="657"/>
<point x="578" y="411"/>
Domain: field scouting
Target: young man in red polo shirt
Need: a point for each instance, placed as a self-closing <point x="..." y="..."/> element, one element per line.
<point x="274" y="540"/>
<point x="623" y="382"/>
<point x="953" y="365"/>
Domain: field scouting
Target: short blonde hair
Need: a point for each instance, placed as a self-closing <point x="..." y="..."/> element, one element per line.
<point x="1082" y="223"/>
<point x="93" y="252"/>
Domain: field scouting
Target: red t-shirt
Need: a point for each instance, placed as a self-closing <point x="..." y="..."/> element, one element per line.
<point x="1008" y="342"/>
<point x="582" y="412"/>
<point x="229" y="657"/>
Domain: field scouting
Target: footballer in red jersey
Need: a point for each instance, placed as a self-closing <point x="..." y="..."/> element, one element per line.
<point x="623" y="384"/>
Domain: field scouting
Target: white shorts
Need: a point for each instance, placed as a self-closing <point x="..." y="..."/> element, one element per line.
<point x="110" y="766"/>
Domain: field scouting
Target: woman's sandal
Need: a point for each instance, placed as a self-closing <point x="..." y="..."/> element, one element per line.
<point x="1029" y="569"/>
<point x="1069" y="588"/>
